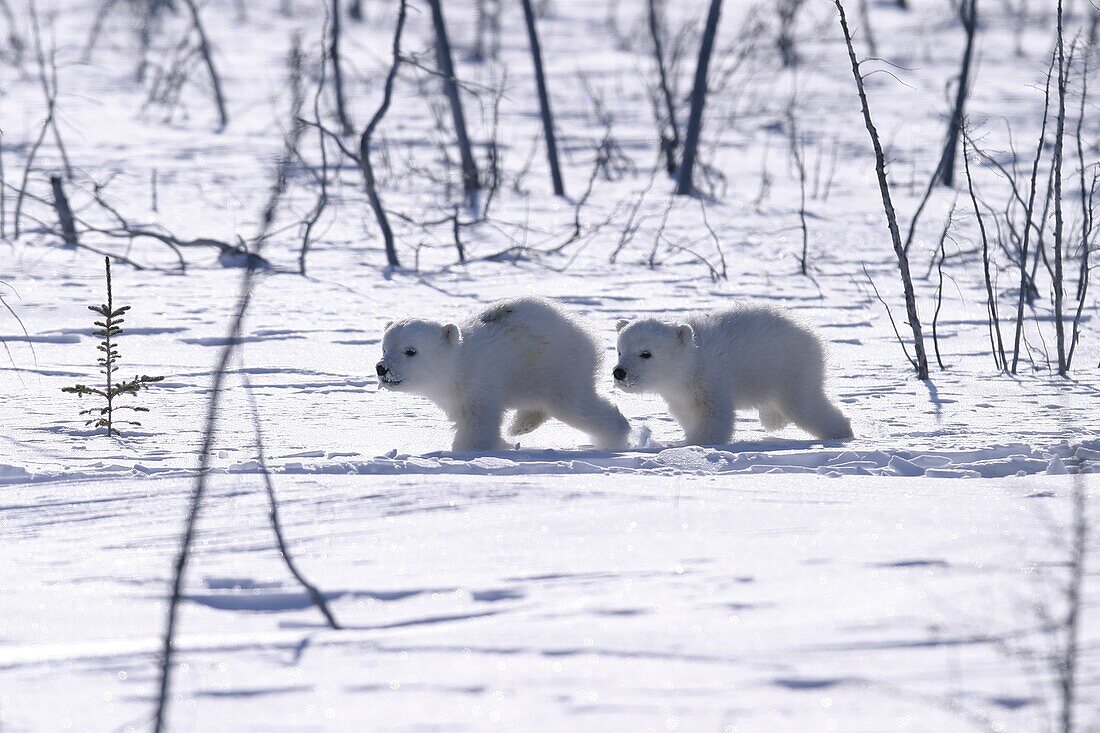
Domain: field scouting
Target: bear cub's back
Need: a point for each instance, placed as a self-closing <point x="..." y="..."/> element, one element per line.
<point x="534" y="326"/>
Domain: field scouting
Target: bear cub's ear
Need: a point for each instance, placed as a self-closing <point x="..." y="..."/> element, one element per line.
<point x="686" y="334"/>
<point x="621" y="324"/>
<point x="451" y="334"/>
<point x="388" y="324"/>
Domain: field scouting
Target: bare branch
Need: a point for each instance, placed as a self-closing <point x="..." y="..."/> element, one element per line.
<point x="921" y="361"/>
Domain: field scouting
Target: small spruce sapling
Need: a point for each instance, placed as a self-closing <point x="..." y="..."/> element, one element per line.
<point x="108" y="329"/>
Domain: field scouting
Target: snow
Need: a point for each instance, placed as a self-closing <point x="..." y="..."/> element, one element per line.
<point x="535" y="603"/>
<point x="901" y="580"/>
<point x="995" y="461"/>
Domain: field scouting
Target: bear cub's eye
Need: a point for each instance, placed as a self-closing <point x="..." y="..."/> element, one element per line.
<point x="410" y="352"/>
<point x="645" y="354"/>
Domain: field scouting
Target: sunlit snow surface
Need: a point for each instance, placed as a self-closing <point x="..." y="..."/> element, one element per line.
<point x="541" y="603"/>
<point x="902" y="580"/>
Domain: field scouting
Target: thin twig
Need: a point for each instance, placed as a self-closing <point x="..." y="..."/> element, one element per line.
<point x="208" y="59"/>
<point x="889" y="314"/>
<point x="921" y="362"/>
<point x="364" y="158"/>
<point x="939" y="287"/>
<point x="997" y="347"/>
<point x="1028" y="212"/>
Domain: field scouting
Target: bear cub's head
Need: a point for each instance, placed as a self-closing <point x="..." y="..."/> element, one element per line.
<point x="653" y="355"/>
<point x="419" y="356"/>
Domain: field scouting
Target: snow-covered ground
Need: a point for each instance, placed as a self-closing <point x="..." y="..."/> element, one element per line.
<point x="774" y="584"/>
<point x="541" y="603"/>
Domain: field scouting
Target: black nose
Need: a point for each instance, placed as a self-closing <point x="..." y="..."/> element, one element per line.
<point x="381" y="369"/>
<point x="619" y="373"/>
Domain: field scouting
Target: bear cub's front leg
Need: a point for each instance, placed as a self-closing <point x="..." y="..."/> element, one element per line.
<point x="706" y="420"/>
<point x="477" y="428"/>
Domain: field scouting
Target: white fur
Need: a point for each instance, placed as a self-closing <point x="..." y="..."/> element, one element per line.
<point x="708" y="365"/>
<point x="524" y="354"/>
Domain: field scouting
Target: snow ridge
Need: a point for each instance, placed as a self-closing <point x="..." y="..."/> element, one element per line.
<point x="996" y="461"/>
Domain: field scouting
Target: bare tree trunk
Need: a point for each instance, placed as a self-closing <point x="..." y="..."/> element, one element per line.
<point x="311" y="219"/>
<point x="1058" y="285"/>
<point x="1087" y="193"/>
<point x="670" y="143"/>
<point x="17" y="215"/>
<point x="291" y="140"/>
<point x="544" y="100"/>
<point x="787" y="12"/>
<point x="1028" y="213"/>
<point x="470" y="182"/>
<point x="487" y="30"/>
<point x="105" y="7"/>
<point x="921" y="362"/>
<point x="685" y="185"/>
<point x="64" y="212"/>
<point x="51" y="110"/>
<point x="208" y="59"/>
<point x="365" y="139"/>
<point x="355" y="10"/>
<point x="15" y="42"/>
<point x="147" y="27"/>
<point x="868" y="32"/>
<point x="481" y="25"/>
<point x="797" y="147"/>
<point x="337" y="73"/>
<point x="47" y="77"/>
<point x="968" y="14"/>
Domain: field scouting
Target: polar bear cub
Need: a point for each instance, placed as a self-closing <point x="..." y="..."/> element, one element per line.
<point x="708" y="365"/>
<point x="524" y="354"/>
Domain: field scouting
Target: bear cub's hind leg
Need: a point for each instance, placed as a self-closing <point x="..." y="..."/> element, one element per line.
<point x="813" y="412"/>
<point x="594" y="415"/>
<point x="772" y="418"/>
<point x="527" y="421"/>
